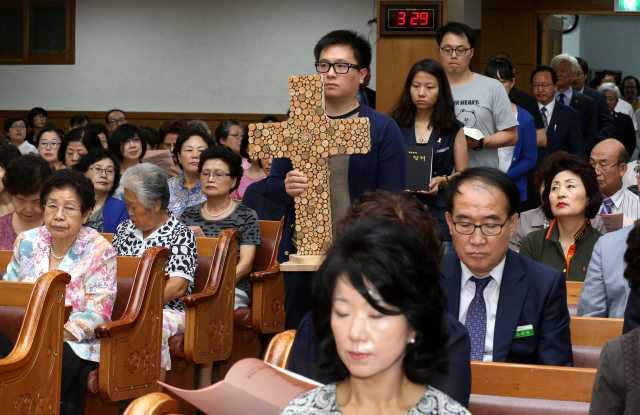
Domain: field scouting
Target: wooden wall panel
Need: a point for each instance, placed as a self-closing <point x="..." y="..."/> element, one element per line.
<point x="394" y="58"/>
<point x="507" y="31"/>
<point x="151" y="119"/>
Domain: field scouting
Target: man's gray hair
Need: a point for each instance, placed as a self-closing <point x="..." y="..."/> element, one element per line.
<point x="565" y="57"/>
<point x="149" y="183"/>
<point x="610" y="87"/>
<point x="199" y="125"/>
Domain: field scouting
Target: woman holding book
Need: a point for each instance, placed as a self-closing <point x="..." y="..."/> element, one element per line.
<point x="380" y="323"/>
<point x="426" y="115"/>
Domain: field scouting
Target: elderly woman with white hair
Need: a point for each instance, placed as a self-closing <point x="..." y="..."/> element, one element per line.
<point x="624" y="132"/>
<point x="146" y="194"/>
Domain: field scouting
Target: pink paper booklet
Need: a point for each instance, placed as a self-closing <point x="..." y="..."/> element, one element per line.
<point x="251" y="387"/>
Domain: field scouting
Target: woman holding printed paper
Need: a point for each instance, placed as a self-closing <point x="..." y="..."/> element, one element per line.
<point x="380" y="322"/>
<point x="426" y="115"/>
<point x="570" y="200"/>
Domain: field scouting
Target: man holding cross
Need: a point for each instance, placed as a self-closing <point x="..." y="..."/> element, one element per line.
<point x="342" y="56"/>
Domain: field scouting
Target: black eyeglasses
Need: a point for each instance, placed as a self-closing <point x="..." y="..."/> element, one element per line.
<point x="488" y="229"/>
<point x="339" y="67"/>
<point x="448" y="50"/>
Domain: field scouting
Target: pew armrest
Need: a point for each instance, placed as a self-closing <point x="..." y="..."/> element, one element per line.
<point x="267" y="297"/>
<point x="260" y="276"/>
<point x="209" y="315"/>
<point x="130" y="346"/>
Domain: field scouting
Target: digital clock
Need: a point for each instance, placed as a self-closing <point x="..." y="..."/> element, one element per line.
<point x="410" y="18"/>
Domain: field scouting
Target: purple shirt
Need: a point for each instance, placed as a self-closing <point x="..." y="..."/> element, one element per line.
<point x="7" y="233"/>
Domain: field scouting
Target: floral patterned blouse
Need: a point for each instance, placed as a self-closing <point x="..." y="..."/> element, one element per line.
<point x="91" y="262"/>
<point x="173" y="235"/>
<point x="180" y="197"/>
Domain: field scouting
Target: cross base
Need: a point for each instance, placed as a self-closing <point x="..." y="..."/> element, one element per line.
<point x="303" y="263"/>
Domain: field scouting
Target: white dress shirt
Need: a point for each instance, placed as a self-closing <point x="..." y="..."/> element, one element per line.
<point x="626" y="202"/>
<point x="550" y="106"/>
<point x="623" y="107"/>
<point x="491" y="295"/>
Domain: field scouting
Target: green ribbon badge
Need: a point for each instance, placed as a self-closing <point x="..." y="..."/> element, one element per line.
<point x="524" y="331"/>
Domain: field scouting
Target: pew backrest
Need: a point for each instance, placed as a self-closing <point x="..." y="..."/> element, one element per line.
<point x="574" y="288"/>
<point x="594" y="331"/>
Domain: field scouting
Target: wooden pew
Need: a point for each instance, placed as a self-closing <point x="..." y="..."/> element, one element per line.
<point x="574" y="288"/>
<point x="206" y="246"/>
<point x="31" y="373"/>
<point x="500" y="388"/>
<point x="279" y="349"/>
<point x="208" y="333"/>
<point x="265" y="314"/>
<point x="130" y="343"/>
<point x="588" y="336"/>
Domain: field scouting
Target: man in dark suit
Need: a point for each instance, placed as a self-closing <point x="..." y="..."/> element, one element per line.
<point x="514" y="308"/>
<point x="561" y="122"/>
<point x="366" y="95"/>
<point x="605" y="120"/>
<point x="624" y="131"/>
<point x="566" y="67"/>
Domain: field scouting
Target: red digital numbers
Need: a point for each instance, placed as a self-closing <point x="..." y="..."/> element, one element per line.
<point x="415" y="19"/>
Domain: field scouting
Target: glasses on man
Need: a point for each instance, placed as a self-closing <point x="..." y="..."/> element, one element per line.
<point x="338" y="67"/>
<point x="217" y="175"/>
<point x="602" y="168"/>
<point x="134" y="140"/>
<point x="40" y="117"/>
<point x="118" y="121"/>
<point x="488" y="229"/>
<point x="18" y="127"/>
<point x="45" y="144"/>
<point x="448" y="50"/>
<point x="52" y="208"/>
<point x="98" y="171"/>
<point x="580" y="73"/>
<point x="542" y="86"/>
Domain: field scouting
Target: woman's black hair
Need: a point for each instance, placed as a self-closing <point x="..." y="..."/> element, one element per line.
<point x="26" y="175"/>
<point x="46" y="129"/>
<point x="223" y="129"/>
<point x="227" y="155"/>
<point x="587" y="174"/>
<point x="381" y="254"/>
<point x="79" y="120"/>
<point x="73" y="180"/>
<point x="12" y="119"/>
<point x="244" y="143"/>
<point x="98" y="128"/>
<point x="151" y="136"/>
<point x="34" y="113"/>
<point x="8" y="152"/>
<point x="186" y="135"/>
<point x="87" y="136"/>
<point x="500" y="69"/>
<point x="443" y="118"/>
<point x="123" y="133"/>
<point x="95" y="156"/>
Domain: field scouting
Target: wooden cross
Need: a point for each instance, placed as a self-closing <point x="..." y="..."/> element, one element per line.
<point x="309" y="138"/>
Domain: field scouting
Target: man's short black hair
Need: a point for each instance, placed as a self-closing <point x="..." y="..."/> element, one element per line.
<point x="357" y="42"/>
<point x="549" y="69"/>
<point x="490" y="177"/>
<point x="106" y="116"/>
<point x="584" y="65"/>
<point x="458" y="29"/>
<point x="79" y="120"/>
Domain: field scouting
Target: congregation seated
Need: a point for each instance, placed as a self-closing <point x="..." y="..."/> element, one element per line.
<point x="151" y="136"/>
<point x="514" y="308"/>
<point x="615" y="390"/>
<point x="102" y="131"/>
<point x="255" y="197"/>
<point x="254" y="173"/>
<point x="571" y="198"/>
<point x="400" y="207"/>
<point x="23" y="180"/>
<point x="48" y="141"/>
<point x="146" y="194"/>
<point x="185" y="188"/>
<point x="535" y="219"/>
<point x="169" y="132"/>
<point x="8" y="152"/>
<point x="36" y="119"/>
<point x="609" y="159"/>
<point x="75" y="144"/>
<point x="220" y="171"/>
<point x="624" y="129"/>
<point x="380" y="322"/>
<point x="15" y="127"/>
<point x="103" y="168"/>
<point x="78" y="120"/>
<point x="63" y="243"/>
<point x="128" y="145"/>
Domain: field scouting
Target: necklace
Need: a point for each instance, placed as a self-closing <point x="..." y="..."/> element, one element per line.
<point x="215" y="216"/>
<point x="420" y="139"/>
<point x="59" y="258"/>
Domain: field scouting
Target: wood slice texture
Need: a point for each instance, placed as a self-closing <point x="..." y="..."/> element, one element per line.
<point x="309" y="138"/>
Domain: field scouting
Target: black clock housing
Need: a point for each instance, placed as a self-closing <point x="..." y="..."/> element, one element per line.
<point x="410" y="18"/>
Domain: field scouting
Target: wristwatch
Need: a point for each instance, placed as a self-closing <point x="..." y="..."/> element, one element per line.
<point x="480" y="145"/>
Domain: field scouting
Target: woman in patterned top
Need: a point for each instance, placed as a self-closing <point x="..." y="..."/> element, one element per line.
<point x="65" y="244"/>
<point x="380" y="322"/>
<point x="103" y="168"/>
<point x="146" y="194"/>
<point x="185" y="187"/>
<point x="220" y="172"/>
